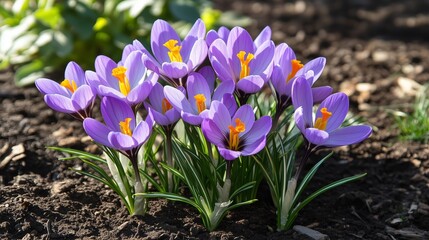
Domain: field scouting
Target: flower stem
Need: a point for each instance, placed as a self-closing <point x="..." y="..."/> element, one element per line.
<point x="169" y="158"/>
<point x="139" y="201"/>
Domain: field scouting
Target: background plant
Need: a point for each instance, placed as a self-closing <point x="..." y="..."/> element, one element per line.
<point x="41" y="36"/>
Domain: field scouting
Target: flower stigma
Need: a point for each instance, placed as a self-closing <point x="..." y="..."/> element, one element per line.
<point x="296" y="66"/>
<point x="200" y="101"/>
<point x="166" y="105"/>
<point x="125" y="127"/>
<point x="124" y="84"/>
<point x="234" y="140"/>
<point x="322" y="121"/>
<point x="244" y="62"/>
<point x="174" y="50"/>
<point x="69" y="84"/>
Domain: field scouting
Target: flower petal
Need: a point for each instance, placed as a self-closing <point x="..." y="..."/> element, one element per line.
<point x="301" y="96"/>
<point x="254" y="147"/>
<point x="263" y="60"/>
<point x="160" y="34"/>
<point x="238" y="40"/>
<point x="225" y="87"/>
<point x="221" y="116"/>
<point x="321" y="93"/>
<point x="83" y="97"/>
<point x="197" y="84"/>
<point x="246" y="115"/>
<point x="177" y="99"/>
<point x="264" y="36"/>
<point x="122" y="141"/>
<point x="212" y="132"/>
<point x="348" y="135"/>
<point x="260" y="128"/>
<point x="103" y="67"/>
<point x="74" y="72"/>
<point x="228" y="154"/>
<point x="135" y="69"/>
<point x="139" y="93"/>
<point x="316" y="136"/>
<point x="48" y="86"/>
<point x="114" y="111"/>
<point x="60" y="103"/>
<point x="316" y="65"/>
<point x="156" y="97"/>
<point x="338" y="105"/>
<point x="142" y="132"/>
<point x="175" y="69"/>
<point x="250" y="84"/>
<point x="218" y="58"/>
<point x="97" y="131"/>
<point x="190" y="118"/>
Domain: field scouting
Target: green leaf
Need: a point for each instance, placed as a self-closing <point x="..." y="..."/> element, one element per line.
<point x="50" y="16"/>
<point x="27" y="74"/>
<point x="184" y="11"/>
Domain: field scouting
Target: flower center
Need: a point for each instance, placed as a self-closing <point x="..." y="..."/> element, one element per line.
<point x="124" y="84"/>
<point x="234" y="140"/>
<point x="296" y="65"/>
<point x="200" y="101"/>
<point x="322" y="121"/>
<point x="166" y="105"/>
<point x="69" y="84"/>
<point x="174" y="50"/>
<point x="125" y="127"/>
<point x="244" y="62"/>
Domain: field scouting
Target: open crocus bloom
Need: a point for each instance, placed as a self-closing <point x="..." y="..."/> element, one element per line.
<point x="286" y="68"/>
<point x="161" y="109"/>
<point x="131" y="81"/>
<point x="326" y="130"/>
<point x="73" y="95"/>
<point x="200" y="94"/>
<point x="173" y="58"/>
<point x="237" y="134"/>
<point x="120" y="130"/>
<point x="241" y="60"/>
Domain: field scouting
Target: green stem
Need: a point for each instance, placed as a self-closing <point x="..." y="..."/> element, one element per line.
<point x="139" y="200"/>
<point x="170" y="161"/>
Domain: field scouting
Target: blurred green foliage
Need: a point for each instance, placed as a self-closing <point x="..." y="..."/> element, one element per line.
<point x="40" y="36"/>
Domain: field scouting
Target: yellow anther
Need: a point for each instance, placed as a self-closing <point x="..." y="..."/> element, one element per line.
<point x="125" y="127"/>
<point x="234" y="139"/>
<point x="244" y="62"/>
<point x="69" y="84"/>
<point x="174" y="50"/>
<point x="322" y="121"/>
<point x="166" y="105"/>
<point x="124" y="84"/>
<point x="200" y="101"/>
<point x="296" y="65"/>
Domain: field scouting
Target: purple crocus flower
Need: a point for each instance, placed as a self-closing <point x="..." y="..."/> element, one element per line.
<point x="161" y="109"/>
<point x="241" y="60"/>
<point x="73" y="95"/>
<point x="223" y="34"/>
<point x="200" y="94"/>
<point x="238" y="134"/>
<point x="120" y="131"/>
<point x="131" y="81"/>
<point x="286" y="68"/>
<point x="174" y="59"/>
<point x="326" y="130"/>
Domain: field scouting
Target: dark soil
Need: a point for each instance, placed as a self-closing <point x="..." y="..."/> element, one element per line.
<point x="370" y="46"/>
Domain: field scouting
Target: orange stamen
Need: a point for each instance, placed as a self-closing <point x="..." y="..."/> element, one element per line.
<point x="124" y="84"/>
<point x="322" y="121"/>
<point x="166" y="105"/>
<point x="125" y="127"/>
<point x="174" y="50"/>
<point x="296" y="66"/>
<point x="234" y="139"/>
<point x="200" y="101"/>
<point x="244" y="62"/>
<point x="69" y="84"/>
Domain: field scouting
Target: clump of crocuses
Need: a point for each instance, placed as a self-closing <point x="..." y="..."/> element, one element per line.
<point x="205" y="96"/>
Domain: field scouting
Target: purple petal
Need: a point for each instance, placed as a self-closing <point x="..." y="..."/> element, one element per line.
<point x="135" y="69"/>
<point x="139" y="93"/>
<point x="197" y="84"/>
<point x="316" y="65"/>
<point x="178" y="99"/>
<point x="190" y="118"/>
<point x="195" y="35"/>
<point x="218" y="58"/>
<point x="103" y="67"/>
<point x="212" y="35"/>
<point x="338" y="105"/>
<point x="97" y="131"/>
<point x="107" y="91"/>
<point x="224" y="33"/>
<point x="175" y="69"/>
<point x="228" y="154"/>
<point x="321" y="93"/>
<point x="259" y="129"/>
<point x="122" y="141"/>
<point x="247" y="116"/>
<point x="239" y="40"/>
<point x="142" y="132"/>
<point x="60" y="103"/>
<point x="263" y="59"/>
<point x="250" y="84"/>
<point x="299" y="119"/>
<point x="230" y="103"/>
<point x="264" y="36"/>
<point x="115" y="111"/>
<point x="208" y="73"/>
<point x="254" y="147"/>
<point x="156" y="97"/>
<point x="157" y="116"/>
<point x="223" y="88"/>
<point x="94" y="80"/>
<point x="47" y="86"/>
<point x="197" y="54"/>
<point x="212" y="132"/>
<point x="160" y="34"/>
<point x="74" y="72"/>
<point x="348" y="135"/>
<point x="316" y="136"/>
<point x="221" y="116"/>
<point x="83" y="97"/>
<point x="172" y="115"/>
<point x="301" y="96"/>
